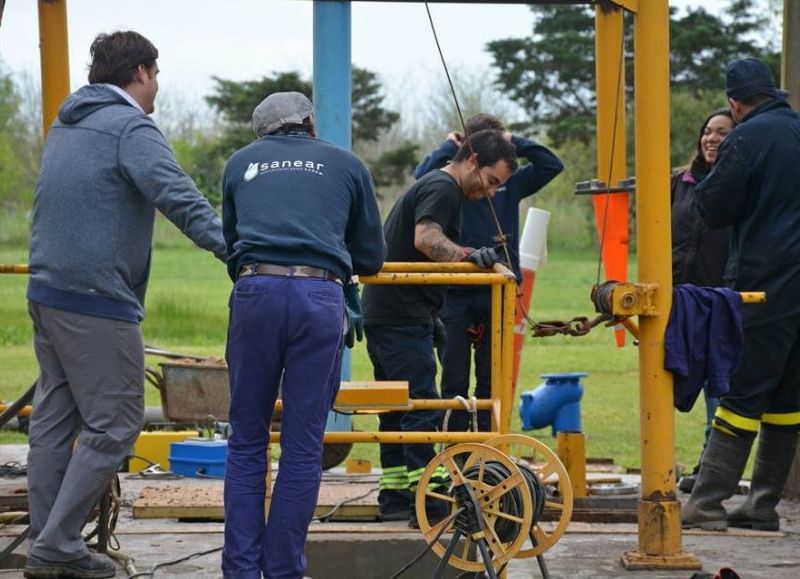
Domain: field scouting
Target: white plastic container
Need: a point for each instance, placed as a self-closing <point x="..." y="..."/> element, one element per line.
<point x="533" y="243"/>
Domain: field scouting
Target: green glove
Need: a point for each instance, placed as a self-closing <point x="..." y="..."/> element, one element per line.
<point x="355" y="318"/>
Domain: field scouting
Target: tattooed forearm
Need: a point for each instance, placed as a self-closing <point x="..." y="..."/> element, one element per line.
<point x="431" y="240"/>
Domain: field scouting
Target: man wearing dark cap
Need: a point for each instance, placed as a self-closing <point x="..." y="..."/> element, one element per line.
<point x="299" y="219"/>
<point x="106" y="168"/>
<point x="754" y="186"/>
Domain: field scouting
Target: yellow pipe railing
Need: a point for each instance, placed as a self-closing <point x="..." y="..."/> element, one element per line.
<point x="503" y="300"/>
<point x="24" y="411"/>
<point x="430" y="267"/>
<point x="399" y="437"/>
<point x="413" y="404"/>
<point x="421" y="404"/>
<point x="432" y="278"/>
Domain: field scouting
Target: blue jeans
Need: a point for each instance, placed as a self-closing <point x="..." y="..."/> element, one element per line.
<point x="462" y="310"/>
<point x="284" y="333"/>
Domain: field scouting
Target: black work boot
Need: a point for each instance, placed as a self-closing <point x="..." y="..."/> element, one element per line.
<point x="89" y="567"/>
<point x="776" y="448"/>
<point x="720" y="470"/>
<point x="393" y="505"/>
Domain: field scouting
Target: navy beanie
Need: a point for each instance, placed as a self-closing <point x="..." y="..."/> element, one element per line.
<point x="749" y="77"/>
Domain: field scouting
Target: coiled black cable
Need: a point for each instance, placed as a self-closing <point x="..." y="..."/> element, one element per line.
<point x="601" y="296"/>
<point x="511" y="503"/>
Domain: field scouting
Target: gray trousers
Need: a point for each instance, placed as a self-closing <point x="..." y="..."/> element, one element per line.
<point x="91" y="389"/>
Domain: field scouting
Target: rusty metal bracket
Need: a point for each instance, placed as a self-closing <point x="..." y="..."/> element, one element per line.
<point x="631" y="299"/>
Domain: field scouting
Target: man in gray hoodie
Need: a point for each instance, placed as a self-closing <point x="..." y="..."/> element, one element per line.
<point x="106" y="168"/>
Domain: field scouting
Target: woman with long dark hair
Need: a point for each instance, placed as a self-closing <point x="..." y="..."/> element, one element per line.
<point x="699" y="254"/>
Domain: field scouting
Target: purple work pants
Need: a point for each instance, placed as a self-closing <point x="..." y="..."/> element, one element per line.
<point x="287" y="332"/>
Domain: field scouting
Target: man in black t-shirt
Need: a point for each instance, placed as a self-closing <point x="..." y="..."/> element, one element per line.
<point x="424" y="225"/>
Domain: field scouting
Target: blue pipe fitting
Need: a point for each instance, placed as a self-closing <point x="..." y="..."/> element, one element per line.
<point x="555" y="403"/>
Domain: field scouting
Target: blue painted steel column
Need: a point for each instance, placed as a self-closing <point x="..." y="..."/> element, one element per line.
<point x="332" y="109"/>
<point x="332" y="72"/>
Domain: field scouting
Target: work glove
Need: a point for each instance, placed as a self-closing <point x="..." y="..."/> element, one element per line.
<point x="355" y="317"/>
<point x="484" y="257"/>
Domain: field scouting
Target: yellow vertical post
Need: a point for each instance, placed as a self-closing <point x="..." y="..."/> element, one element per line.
<point x="610" y="81"/>
<point x="509" y="302"/>
<point x="611" y="211"/>
<point x="54" y="50"/>
<point x="659" y="510"/>
<point x="571" y="450"/>
<point x="497" y="361"/>
<point x="610" y="94"/>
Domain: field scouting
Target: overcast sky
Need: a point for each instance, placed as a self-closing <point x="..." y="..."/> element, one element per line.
<point x="245" y="39"/>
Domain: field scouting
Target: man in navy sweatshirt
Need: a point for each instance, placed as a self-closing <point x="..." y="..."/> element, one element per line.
<point x="466" y="311"/>
<point x="300" y="218"/>
<point x="106" y="168"/>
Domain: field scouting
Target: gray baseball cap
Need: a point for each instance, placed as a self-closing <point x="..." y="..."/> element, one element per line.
<point x="279" y="109"/>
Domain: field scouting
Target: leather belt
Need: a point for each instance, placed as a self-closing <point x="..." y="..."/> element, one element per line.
<point x="304" y="271"/>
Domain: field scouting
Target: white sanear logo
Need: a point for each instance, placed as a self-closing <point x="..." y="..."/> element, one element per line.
<point x="252" y="171"/>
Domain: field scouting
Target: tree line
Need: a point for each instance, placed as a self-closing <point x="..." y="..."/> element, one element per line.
<point x="549" y="76"/>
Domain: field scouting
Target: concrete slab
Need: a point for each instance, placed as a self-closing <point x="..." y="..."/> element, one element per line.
<point x="377" y="550"/>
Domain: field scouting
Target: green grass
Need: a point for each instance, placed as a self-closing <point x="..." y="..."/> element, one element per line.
<point x="187" y="312"/>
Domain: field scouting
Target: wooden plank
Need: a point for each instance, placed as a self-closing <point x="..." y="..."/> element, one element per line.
<point x="184" y="502"/>
<point x="183" y="512"/>
<point x="354" y="395"/>
<point x="189" y="502"/>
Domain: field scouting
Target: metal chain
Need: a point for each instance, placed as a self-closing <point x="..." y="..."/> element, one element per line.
<point x="578" y="326"/>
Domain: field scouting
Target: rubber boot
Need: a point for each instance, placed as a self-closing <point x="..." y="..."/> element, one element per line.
<point x="776" y="448"/>
<point x="720" y="470"/>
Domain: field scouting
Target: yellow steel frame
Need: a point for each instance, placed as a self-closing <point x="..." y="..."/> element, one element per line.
<point x="659" y="513"/>
<point x="504" y="291"/>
